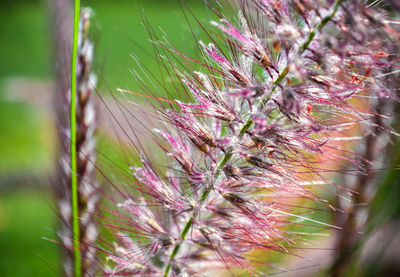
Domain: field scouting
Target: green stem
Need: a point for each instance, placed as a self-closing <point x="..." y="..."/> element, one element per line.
<point x="321" y="25"/>
<point x="246" y="126"/>
<point x="178" y="245"/>
<point x="74" y="178"/>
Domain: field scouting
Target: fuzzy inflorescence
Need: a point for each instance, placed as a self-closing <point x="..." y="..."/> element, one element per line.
<point x="269" y="105"/>
<point x="88" y="192"/>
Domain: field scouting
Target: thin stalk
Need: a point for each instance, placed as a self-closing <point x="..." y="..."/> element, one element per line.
<point x="321" y="25"/>
<point x="74" y="177"/>
<point x="246" y="126"/>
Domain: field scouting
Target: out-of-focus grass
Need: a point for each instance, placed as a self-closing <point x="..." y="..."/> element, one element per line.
<point x="26" y="217"/>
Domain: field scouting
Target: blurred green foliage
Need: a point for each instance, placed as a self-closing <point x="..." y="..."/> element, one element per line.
<point x="122" y="35"/>
<point x="25" y="39"/>
<point x="23" y="140"/>
<point x="25" y="218"/>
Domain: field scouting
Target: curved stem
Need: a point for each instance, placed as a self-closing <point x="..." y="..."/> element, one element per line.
<point x="74" y="178"/>
<point x="245" y="127"/>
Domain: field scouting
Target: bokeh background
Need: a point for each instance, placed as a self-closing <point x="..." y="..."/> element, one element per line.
<point x="28" y="135"/>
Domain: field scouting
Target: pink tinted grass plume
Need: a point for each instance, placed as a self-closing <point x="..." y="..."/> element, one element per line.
<point x="271" y="110"/>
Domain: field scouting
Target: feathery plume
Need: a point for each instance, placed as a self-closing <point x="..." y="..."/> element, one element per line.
<point x="267" y="108"/>
<point x="88" y="194"/>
